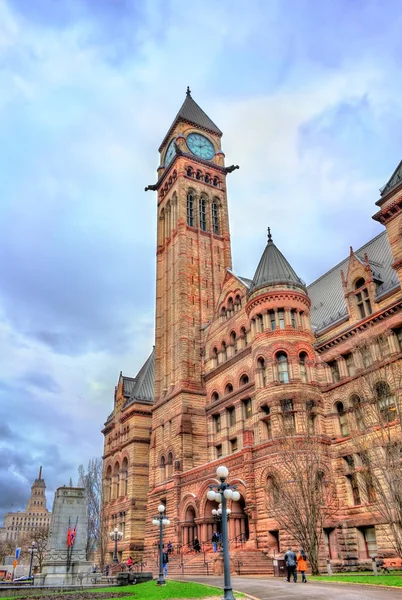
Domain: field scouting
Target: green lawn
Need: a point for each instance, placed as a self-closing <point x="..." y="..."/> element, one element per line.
<point x="394" y="579"/>
<point x="172" y="589"/>
<point x="148" y="591"/>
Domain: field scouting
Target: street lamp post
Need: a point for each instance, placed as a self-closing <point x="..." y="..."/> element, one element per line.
<point x="32" y="551"/>
<point x="115" y="536"/>
<point x="160" y="521"/>
<point x="224" y="491"/>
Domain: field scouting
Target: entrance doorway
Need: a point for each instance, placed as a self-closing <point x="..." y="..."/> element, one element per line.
<point x="189" y="529"/>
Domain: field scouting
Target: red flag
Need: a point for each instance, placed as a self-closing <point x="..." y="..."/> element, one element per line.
<point x="73" y="533"/>
<point x="68" y="537"/>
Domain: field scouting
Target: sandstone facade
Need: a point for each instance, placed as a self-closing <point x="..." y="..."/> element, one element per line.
<point x="237" y="358"/>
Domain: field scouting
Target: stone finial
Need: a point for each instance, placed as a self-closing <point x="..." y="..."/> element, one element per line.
<point x="269" y="235"/>
<point x="188" y="92"/>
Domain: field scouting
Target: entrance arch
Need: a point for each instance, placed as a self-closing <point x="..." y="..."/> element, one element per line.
<point x="189" y="528"/>
<point x="238" y="521"/>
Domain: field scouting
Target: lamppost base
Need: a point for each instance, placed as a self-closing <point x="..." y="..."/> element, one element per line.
<point x="161" y="581"/>
<point x="228" y="594"/>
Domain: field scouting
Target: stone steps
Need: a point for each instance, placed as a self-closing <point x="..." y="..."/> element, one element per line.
<point x="243" y="562"/>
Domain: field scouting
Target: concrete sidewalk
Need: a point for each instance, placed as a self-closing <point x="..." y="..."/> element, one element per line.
<point x="269" y="588"/>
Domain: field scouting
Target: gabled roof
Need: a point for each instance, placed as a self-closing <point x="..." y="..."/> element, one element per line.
<point x="274" y="269"/>
<point x="143" y="388"/>
<point x="328" y="303"/>
<point x="395" y="179"/>
<point x="191" y="113"/>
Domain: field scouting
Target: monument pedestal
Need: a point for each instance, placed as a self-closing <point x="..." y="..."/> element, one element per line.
<point x="55" y="573"/>
<point x="65" y="561"/>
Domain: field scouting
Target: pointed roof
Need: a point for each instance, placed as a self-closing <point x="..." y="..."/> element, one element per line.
<point x="143" y="388"/>
<point x="191" y="113"/>
<point x="274" y="269"/>
<point x="395" y="179"/>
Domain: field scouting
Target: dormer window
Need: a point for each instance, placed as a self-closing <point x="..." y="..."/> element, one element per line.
<point x="362" y="298"/>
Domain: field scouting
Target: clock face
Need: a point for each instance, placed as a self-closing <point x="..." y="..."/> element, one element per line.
<point x="170" y="153"/>
<point x="200" y="146"/>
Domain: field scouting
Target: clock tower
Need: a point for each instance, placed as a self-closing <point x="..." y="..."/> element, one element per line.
<point x="193" y="254"/>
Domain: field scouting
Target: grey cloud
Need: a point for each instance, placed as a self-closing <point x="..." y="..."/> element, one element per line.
<point x="42" y="381"/>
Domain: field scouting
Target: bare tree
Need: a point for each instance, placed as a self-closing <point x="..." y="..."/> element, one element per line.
<point x="7" y="548"/>
<point x="91" y="479"/>
<point x="301" y="496"/>
<point x="375" y="424"/>
<point x="39" y="536"/>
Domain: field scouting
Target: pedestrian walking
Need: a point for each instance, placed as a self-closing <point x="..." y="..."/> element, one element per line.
<point x="302" y="564"/>
<point x="291" y="564"/>
<point x="165" y="560"/>
<point x="215" y="540"/>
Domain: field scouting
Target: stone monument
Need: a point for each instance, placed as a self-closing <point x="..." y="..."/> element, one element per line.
<point x="65" y="561"/>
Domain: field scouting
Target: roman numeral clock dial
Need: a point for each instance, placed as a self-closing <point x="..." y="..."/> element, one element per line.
<point x="200" y="146"/>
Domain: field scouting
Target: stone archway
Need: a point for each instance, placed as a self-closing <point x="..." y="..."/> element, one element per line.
<point x="238" y="522"/>
<point x="189" y="528"/>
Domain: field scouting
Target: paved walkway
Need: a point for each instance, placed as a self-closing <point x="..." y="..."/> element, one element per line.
<point x="269" y="588"/>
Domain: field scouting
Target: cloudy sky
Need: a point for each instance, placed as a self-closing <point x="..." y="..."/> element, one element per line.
<point x="308" y="95"/>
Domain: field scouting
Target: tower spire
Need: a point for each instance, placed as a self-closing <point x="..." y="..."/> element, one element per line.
<point x="40" y="472"/>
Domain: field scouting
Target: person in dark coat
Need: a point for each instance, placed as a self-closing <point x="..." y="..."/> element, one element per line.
<point x="291" y="564"/>
<point x="165" y="560"/>
<point x="215" y="540"/>
<point x="196" y="545"/>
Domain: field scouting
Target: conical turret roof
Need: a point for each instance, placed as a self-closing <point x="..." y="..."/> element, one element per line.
<point x="192" y="113"/>
<point x="274" y="269"/>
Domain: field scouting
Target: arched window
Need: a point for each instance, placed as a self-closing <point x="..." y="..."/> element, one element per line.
<point x="342" y="419"/>
<point x="228" y="388"/>
<point x="262" y="371"/>
<point x="334" y="371"/>
<point x="163" y="468"/>
<point x="215" y="357"/>
<point x="385" y="401"/>
<point x="224" y="351"/>
<point x="259" y="324"/>
<point x="230" y="304"/>
<point x="272" y="319"/>
<point x="223" y="312"/>
<point x="215" y="218"/>
<point x="203" y="216"/>
<point x="288" y="416"/>
<point x="116" y="481"/>
<point x="198" y="175"/>
<point x="189" y="172"/>
<point x="190" y="210"/>
<point x="362" y="298"/>
<point x="283" y="367"/>
<point x="233" y="341"/>
<point x="293" y="318"/>
<point x="108" y="484"/>
<point x="215" y="397"/>
<point x="244" y="379"/>
<point x="302" y="366"/>
<point x="124" y="477"/>
<point x="215" y="181"/>
<point x="170" y="465"/>
<point x="358" y="410"/>
<point x="272" y="490"/>
<point x="243" y="333"/>
<point x="207" y="178"/>
<point x="281" y="317"/>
